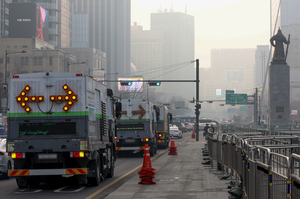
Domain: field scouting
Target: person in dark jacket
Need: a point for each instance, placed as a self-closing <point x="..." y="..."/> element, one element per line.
<point x="212" y="128"/>
<point x="205" y="130"/>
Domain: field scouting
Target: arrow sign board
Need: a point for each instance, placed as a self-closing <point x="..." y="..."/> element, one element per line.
<point x="236" y="99"/>
<point x="23" y="99"/>
<point x="70" y="98"/>
<point x="141" y="112"/>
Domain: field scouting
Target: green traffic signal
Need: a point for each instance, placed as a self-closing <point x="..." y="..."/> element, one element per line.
<point x="152" y="83"/>
<point x="126" y="83"/>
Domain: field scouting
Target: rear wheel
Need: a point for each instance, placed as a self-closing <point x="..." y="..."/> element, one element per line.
<point x="95" y="181"/>
<point x="5" y="175"/>
<point x="33" y="182"/>
<point x="111" y="170"/>
<point x="22" y="182"/>
<point x="152" y="150"/>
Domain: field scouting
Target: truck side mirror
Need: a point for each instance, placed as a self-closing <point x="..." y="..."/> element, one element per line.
<point x="118" y="109"/>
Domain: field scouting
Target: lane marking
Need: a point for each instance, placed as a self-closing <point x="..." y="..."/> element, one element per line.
<point x="76" y="190"/>
<point x="29" y="191"/>
<point x="123" y="176"/>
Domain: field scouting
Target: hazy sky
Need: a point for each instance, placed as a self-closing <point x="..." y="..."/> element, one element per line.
<point x="218" y="23"/>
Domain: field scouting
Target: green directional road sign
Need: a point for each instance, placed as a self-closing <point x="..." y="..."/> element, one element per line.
<point x="236" y="99"/>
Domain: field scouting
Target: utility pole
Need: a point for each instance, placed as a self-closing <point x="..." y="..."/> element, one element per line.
<point x="198" y="105"/>
<point x="255" y="106"/>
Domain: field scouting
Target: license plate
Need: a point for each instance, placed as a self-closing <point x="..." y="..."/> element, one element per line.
<point x="51" y="156"/>
<point x="129" y="140"/>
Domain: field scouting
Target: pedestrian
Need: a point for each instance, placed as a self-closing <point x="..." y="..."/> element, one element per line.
<point x="212" y="128"/>
<point x="205" y="131"/>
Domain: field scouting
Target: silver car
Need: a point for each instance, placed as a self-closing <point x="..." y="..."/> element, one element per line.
<point x="5" y="161"/>
<point x="175" y="132"/>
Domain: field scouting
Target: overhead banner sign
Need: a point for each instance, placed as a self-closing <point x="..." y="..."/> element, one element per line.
<point x="136" y="86"/>
<point x="294" y="112"/>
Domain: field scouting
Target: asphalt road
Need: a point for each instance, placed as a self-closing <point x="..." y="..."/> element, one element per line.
<point x="126" y="168"/>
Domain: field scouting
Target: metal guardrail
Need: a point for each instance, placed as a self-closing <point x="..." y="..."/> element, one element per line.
<point x="266" y="165"/>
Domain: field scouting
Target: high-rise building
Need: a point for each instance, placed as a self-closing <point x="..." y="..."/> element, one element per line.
<point x="104" y="25"/>
<point x="286" y="16"/>
<point x="147" y="51"/>
<point x="178" y="29"/>
<point x="87" y="19"/>
<point x="4" y="15"/>
<point x="231" y="69"/>
<point x="60" y="20"/>
<point x="261" y="63"/>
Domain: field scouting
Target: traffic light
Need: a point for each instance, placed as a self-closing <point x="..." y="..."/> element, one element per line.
<point x="157" y="114"/>
<point x="192" y="101"/>
<point x="197" y="107"/>
<point x="209" y="102"/>
<point x="152" y="83"/>
<point x="126" y="83"/>
<point x="221" y="104"/>
<point x="232" y="105"/>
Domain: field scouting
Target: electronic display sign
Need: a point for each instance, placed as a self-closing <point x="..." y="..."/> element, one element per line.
<point x="135" y="87"/>
<point x="27" y="20"/>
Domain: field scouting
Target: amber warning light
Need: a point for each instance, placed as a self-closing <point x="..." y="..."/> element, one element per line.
<point x="23" y="99"/>
<point x="70" y="98"/>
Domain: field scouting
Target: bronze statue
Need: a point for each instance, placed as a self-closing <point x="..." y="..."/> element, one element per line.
<point x="279" y="55"/>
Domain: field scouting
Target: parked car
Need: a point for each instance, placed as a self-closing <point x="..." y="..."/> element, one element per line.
<point x="5" y="161"/>
<point x="175" y="132"/>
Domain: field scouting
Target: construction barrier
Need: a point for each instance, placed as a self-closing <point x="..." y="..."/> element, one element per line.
<point x="266" y="165"/>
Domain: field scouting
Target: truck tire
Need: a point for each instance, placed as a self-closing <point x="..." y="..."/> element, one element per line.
<point x="33" y="182"/>
<point x="5" y="175"/>
<point x="95" y="181"/>
<point x="111" y="170"/>
<point x="152" y="150"/>
<point x="22" y="182"/>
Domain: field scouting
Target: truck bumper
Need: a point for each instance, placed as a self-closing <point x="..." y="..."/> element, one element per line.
<point x="130" y="148"/>
<point x="46" y="172"/>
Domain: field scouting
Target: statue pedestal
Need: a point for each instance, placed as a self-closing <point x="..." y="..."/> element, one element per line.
<point x="279" y="94"/>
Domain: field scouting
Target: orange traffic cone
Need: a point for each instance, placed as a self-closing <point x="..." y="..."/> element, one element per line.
<point x="193" y="135"/>
<point x="147" y="172"/>
<point x="172" y="148"/>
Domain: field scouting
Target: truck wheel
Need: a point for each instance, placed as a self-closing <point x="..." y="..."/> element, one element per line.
<point x="111" y="170"/>
<point x="33" y="182"/>
<point x="22" y="182"/>
<point x="95" y="181"/>
<point x="152" y="150"/>
<point x="5" y="175"/>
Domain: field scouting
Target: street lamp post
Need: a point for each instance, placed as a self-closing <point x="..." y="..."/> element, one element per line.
<point x="5" y="70"/>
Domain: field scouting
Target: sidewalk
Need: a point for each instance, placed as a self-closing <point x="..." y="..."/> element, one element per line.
<point x="179" y="176"/>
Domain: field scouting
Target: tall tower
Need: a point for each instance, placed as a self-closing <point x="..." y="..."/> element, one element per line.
<point x="178" y="29"/>
<point x="60" y="20"/>
<point x="4" y="14"/>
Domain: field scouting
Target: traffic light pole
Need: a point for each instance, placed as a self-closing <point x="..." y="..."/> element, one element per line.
<point x="198" y="105"/>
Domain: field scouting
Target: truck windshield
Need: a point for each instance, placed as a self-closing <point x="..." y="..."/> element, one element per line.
<point x="51" y="128"/>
